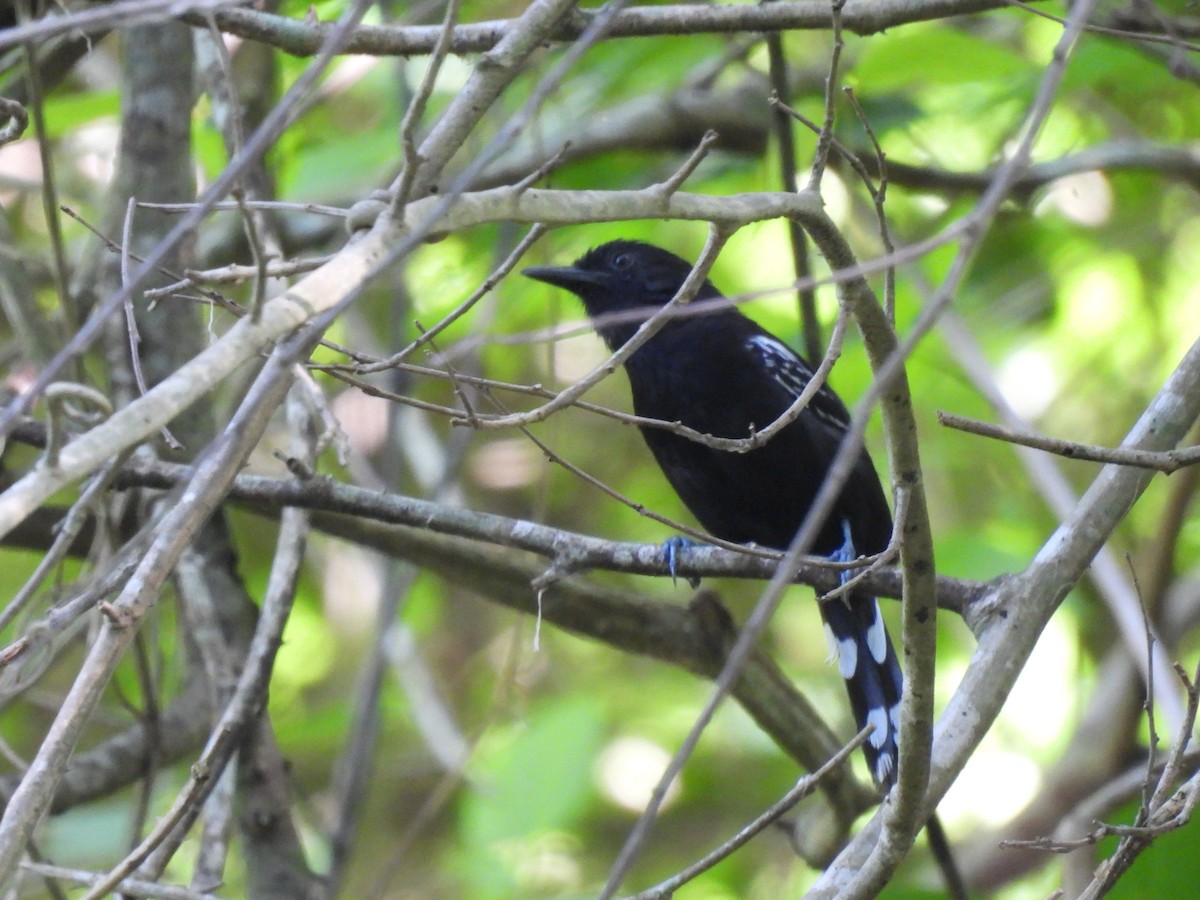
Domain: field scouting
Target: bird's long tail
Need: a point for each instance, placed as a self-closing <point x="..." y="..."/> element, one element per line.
<point x="867" y="660"/>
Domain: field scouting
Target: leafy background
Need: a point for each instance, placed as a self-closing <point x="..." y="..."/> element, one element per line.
<point x="1082" y="299"/>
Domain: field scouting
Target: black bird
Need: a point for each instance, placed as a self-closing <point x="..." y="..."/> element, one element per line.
<point x="722" y="374"/>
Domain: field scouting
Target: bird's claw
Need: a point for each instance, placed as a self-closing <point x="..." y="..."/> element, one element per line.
<point x="671" y="549"/>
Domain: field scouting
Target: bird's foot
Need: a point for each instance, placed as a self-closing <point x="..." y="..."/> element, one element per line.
<point x="673" y="549"/>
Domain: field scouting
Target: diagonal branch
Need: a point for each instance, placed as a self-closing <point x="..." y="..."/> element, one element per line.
<point x="326" y="287"/>
<point x="1014" y="615"/>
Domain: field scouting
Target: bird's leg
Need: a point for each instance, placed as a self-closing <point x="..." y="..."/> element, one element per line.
<point x="844" y="651"/>
<point x="672" y="548"/>
<point x="845" y="553"/>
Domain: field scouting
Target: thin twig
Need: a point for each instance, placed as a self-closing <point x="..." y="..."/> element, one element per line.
<point x="150" y="719"/>
<point x="879" y="198"/>
<point x="684" y="172"/>
<point x="1111" y="32"/>
<point x="68" y="530"/>
<point x="825" y="138"/>
<point x="455" y="384"/>
<point x="133" y="887"/>
<point x="544" y="169"/>
<point x="1148" y="704"/>
<point x="805" y="786"/>
<point x="1166" y="461"/>
<point x="489" y="284"/>
<point x="49" y="192"/>
<point x="316" y="209"/>
<point x="785" y="144"/>
<point x="416" y="108"/>
<point x="131" y="325"/>
<point x="117" y="247"/>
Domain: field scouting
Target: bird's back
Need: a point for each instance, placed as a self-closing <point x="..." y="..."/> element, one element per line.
<point x="700" y="371"/>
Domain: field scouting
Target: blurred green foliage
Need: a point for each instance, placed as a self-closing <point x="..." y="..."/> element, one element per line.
<point x="1082" y="299"/>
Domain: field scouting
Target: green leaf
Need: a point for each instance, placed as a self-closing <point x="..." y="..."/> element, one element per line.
<point x="929" y="56"/>
<point x="67" y="112"/>
<point x="540" y="779"/>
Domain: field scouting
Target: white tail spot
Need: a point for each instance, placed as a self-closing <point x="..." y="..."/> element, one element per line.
<point x="878" y="720"/>
<point x="845" y="651"/>
<point x="847" y="657"/>
<point x="877" y="637"/>
<point x="883" y="767"/>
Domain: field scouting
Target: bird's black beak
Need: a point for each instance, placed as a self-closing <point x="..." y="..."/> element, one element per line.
<point x="568" y="277"/>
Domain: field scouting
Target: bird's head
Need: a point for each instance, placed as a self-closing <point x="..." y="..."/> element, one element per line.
<point x="619" y="277"/>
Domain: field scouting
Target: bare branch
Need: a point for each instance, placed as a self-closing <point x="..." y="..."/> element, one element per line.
<point x="777" y="810"/>
<point x="302" y="38"/>
<point x="1166" y="462"/>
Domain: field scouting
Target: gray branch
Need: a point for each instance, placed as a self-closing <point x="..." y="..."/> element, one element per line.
<point x="303" y="37"/>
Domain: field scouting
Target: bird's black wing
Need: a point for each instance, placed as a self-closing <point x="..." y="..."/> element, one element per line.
<point x="863" y="503"/>
<point x="793" y="374"/>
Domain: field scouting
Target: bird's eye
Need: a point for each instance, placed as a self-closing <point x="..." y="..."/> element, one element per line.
<point x="622" y="261"/>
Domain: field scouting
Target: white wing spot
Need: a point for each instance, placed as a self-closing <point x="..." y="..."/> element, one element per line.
<point x="792" y="374"/>
<point x="785" y="366"/>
